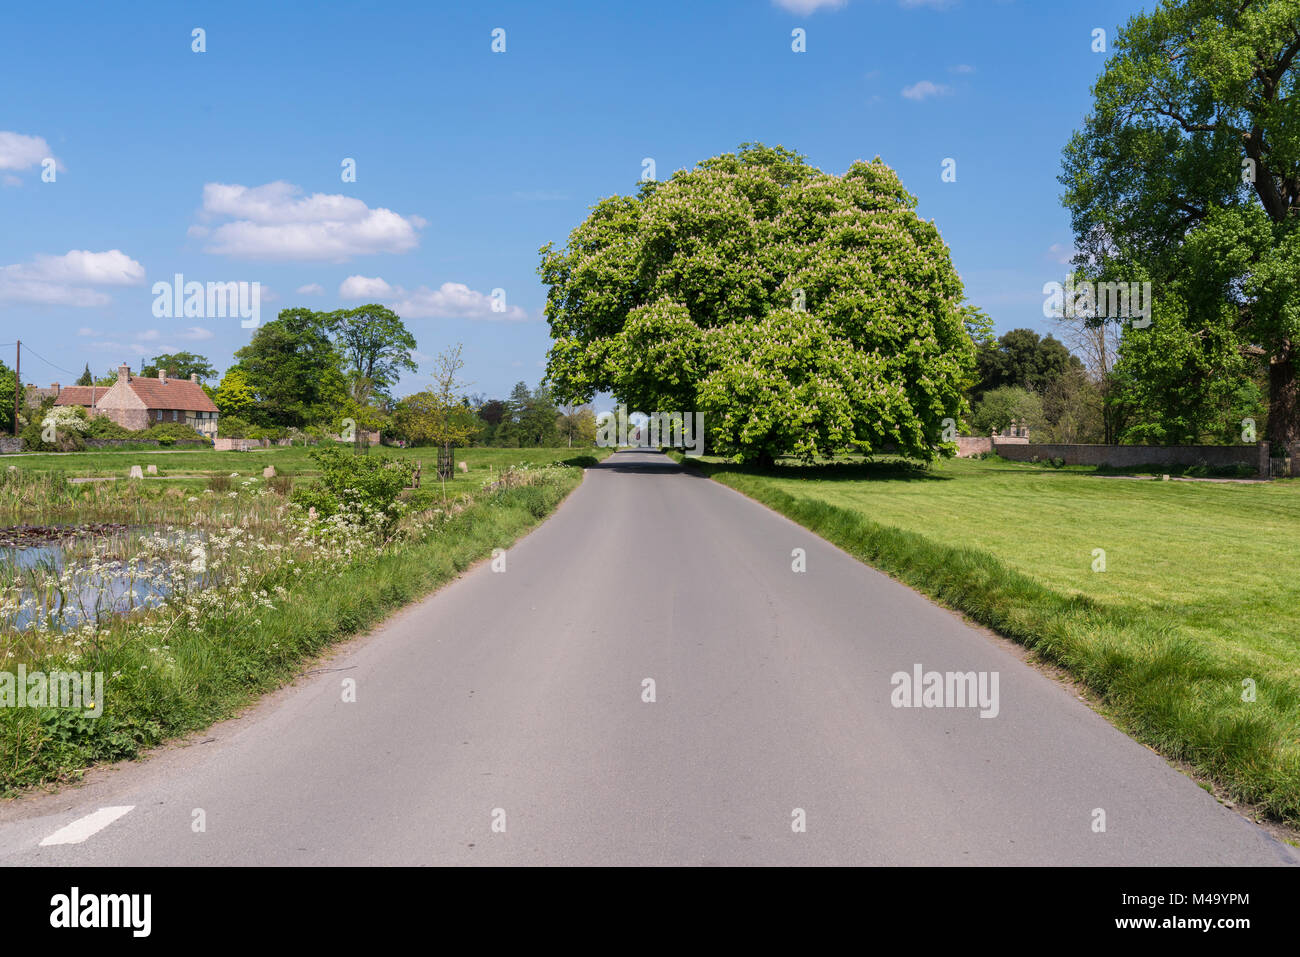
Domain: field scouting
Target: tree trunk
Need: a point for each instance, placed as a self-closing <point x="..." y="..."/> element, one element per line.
<point x="1283" y="397"/>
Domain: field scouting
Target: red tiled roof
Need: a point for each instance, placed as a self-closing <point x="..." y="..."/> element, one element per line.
<point x="173" y="394"/>
<point x="80" y="395"/>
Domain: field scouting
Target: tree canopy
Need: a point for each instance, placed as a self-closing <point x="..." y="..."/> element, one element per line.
<point x="180" y="365"/>
<point x="293" y="369"/>
<point x="801" y="312"/>
<point x="1021" y="358"/>
<point x="1187" y="173"/>
<point x="377" y="346"/>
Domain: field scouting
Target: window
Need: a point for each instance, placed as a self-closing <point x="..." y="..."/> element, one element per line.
<point x="176" y="415"/>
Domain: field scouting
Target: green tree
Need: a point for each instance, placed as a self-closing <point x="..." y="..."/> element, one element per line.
<point x="576" y="425"/>
<point x="377" y="346"/>
<point x="1187" y="173"/>
<point x="179" y="365"/>
<point x="1073" y="409"/>
<point x="1180" y="385"/>
<point x="799" y="311"/>
<point x="294" y="370"/>
<point x="1007" y="403"/>
<point x="438" y="415"/>
<point x="510" y="430"/>
<point x="538" y="419"/>
<point x="7" y="396"/>
<point x="234" y="395"/>
<point x="86" y="378"/>
<point x="1021" y="358"/>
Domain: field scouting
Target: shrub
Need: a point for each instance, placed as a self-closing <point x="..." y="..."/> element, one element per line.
<point x="233" y="427"/>
<point x="355" y="483"/>
<point x="166" y="433"/>
<point x="102" y="427"/>
<point x="68" y="422"/>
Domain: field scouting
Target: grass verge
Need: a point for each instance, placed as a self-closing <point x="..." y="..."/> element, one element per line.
<point x="212" y="670"/>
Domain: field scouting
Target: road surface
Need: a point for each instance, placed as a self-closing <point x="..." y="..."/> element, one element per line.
<point x="503" y="721"/>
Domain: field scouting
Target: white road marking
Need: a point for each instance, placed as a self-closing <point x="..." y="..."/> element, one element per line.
<point x="84" y="827"/>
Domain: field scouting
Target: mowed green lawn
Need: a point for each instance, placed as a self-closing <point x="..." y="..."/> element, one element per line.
<point x="1223" y="559"/>
<point x="1201" y="589"/>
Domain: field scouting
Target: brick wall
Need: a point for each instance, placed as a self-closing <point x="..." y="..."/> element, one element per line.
<point x="968" y="445"/>
<point x="238" y="445"/>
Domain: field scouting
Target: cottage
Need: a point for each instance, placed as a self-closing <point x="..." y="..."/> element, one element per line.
<point x="136" y="403"/>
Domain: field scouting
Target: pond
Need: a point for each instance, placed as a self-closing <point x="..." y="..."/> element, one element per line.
<point x="67" y="576"/>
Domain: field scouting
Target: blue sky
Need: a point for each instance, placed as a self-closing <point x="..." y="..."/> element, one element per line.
<point x="226" y="165"/>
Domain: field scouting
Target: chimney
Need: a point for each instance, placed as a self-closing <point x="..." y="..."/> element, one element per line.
<point x="194" y="377"/>
<point x="54" y="387"/>
<point x="124" y="373"/>
<point x="162" y="376"/>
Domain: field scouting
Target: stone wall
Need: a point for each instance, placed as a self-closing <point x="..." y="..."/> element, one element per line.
<point x="9" y="444"/>
<point x="1132" y="456"/>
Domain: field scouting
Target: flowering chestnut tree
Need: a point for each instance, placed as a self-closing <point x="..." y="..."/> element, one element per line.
<point x="803" y="313"/>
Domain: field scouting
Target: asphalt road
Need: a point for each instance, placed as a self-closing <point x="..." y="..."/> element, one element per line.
<point x="516" y="698"/>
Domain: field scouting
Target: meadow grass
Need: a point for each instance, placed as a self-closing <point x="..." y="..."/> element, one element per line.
<point x="38" y="492"/>
<point x="1198" y="594"/>
<point x="291" y="458"/>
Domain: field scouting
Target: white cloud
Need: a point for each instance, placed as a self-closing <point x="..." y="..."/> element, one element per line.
<point x="112" y="268"/>
<point x="451" y="300"/>
<point x="311" y="289"/>
<point x="68" y="280"/>
<point x="276" y="221"/>
<point x="20" y="152"/>
<point x="196" y="334"/>
<point x="961" y="68"/>
<point x="924" y="89"/>
<point x="87" y="331"/>
<point x="363" y="287"/>
<point x="808" y="6"/>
